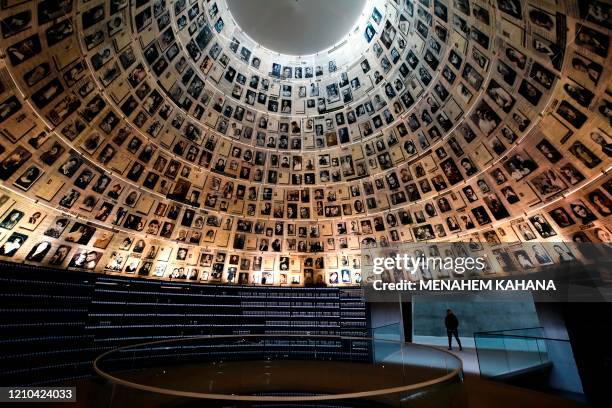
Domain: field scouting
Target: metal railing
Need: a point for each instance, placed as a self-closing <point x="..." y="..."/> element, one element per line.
<point x="504" y="353"/>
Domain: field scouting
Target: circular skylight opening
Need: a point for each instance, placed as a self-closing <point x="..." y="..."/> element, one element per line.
<point x="296" y="27"/>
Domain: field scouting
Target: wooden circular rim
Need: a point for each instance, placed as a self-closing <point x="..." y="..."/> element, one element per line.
<point x="227" y="397"/>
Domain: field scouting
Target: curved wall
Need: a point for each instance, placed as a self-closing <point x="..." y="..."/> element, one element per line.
<point x="154" y="138"/>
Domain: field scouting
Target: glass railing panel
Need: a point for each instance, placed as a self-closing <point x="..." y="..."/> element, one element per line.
<point x="509" y="351"/>
<point x="491" y="355"/>
<point x="504" y="354"/>
<point x="387" y="351"/>
<point x="521" y="353"/>
<point x="388" y="332"/>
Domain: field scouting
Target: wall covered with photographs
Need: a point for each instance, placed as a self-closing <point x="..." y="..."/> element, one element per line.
<point x="155" y="138"/>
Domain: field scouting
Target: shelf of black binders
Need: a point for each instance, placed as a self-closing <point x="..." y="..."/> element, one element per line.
<point x="43" y="315"/>
<point x="55" y="322"/>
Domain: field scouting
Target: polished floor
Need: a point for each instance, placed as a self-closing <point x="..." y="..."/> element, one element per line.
<point x="487" y="394"/>
<point x="481" y="394"/>
<point x="97" y="393"/>
<point x="468" y="358"/>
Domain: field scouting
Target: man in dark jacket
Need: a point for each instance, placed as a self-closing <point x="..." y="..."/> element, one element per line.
<point x="452" y="324"/>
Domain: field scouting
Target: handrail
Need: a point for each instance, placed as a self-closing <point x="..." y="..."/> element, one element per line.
<point x="385" y="325"/>
<point x="226" y="397"/>
<point x="517" y="336"/>
<point x="505" y="330"/>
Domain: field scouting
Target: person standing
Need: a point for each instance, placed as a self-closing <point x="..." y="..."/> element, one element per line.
<point x="452" y="324"/>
